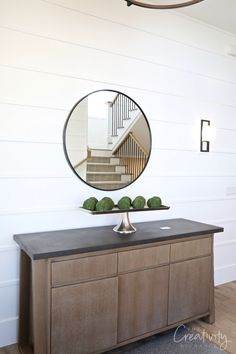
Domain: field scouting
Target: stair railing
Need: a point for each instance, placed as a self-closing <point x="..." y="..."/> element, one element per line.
<point x="120" y="111"/>
<point x="85" y="159"/>
<point x="132" y="155"/>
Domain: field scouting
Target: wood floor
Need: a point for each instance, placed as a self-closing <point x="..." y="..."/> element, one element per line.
<point x="222" y="332"/>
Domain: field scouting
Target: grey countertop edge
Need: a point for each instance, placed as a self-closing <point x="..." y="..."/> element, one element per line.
<point x="96" y="248"/>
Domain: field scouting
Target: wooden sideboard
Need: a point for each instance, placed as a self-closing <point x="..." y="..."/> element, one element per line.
<point x="82" y="296"/>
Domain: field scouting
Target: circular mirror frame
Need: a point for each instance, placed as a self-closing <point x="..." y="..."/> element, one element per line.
<point x="64" y="139"/>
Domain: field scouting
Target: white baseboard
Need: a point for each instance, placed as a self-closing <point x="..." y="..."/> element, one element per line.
<point x="8" y="330"/>
<point x="225" y="274"/>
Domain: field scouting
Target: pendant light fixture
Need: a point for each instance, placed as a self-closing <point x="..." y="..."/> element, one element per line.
<point x="162" y="4"/>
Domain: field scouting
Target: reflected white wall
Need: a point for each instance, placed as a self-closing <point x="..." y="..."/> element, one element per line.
<point x="98" y="113"/>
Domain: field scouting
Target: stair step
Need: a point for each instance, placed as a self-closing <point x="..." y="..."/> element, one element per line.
<point x="108" y="176"/>
<point x="105" y="167"/>
<point x="100" y="153"/>
<point x="102" y="163"/>
<point x="100" y="159"/>
<point x="108" y="185"/>
<point x="109" y="160"/>
<point x="100" y="167"/>
<point x="103" y="176"/>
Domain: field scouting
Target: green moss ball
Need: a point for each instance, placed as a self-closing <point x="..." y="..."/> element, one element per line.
<point x="90" y="203"/>
<point x="124" y="203"/>
<point x="154" y="202"/>
<point x="104" y="204"/>
<point x="139" y="202"/>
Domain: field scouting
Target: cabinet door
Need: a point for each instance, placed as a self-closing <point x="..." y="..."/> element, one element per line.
<point x="143" y="298"/>
<point x="189" y="292"/>
<point x="84" y="317"/>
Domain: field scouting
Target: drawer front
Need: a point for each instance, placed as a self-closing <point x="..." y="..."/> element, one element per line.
<point x="143" y="258"/>
<point x="83" y="269"/>
<point x="190" y="249"/>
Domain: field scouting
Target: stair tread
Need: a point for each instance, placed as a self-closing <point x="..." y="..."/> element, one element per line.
<point x="108" y="182"/>
<point x="106" y="173"/>
<point x="102" y="164"/>
<point x="99" y="163"/>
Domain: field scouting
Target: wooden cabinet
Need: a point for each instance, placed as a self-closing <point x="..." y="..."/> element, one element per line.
<point x="90" y="303"/>
<point x="84" y="317"/>
<point x="189" y="293"/>
<point x="143" y="299"/>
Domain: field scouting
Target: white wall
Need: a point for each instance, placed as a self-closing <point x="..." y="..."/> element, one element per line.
<point x="141" y="132"/>
<point x="76" y="137"/>
<point x="98" y="111"/>
<point x="54" y="53"/>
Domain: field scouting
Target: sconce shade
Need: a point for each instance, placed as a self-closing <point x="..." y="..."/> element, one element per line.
<point x="205" y="136"/>
<point x="162" y="4"/>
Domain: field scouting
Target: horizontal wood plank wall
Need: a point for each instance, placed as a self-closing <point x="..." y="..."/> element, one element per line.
<point x="55" y="52"/>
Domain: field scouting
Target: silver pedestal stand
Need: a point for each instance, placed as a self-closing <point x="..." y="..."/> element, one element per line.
<point x="125" y="227"/>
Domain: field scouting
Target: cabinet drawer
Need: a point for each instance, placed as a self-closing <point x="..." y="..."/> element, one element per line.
<point x="82" y="269"/>
<point x="143" y="258"/>
<point x="190" y="249"/>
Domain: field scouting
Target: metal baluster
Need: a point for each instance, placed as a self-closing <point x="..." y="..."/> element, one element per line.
<point x="129" y="102"/>
<point x="123" y="109"/>
<point x="115" y="117"/>
<point x="132" y="157"/>
<point x="137" y="160"/>
<point x="112" y="120"/>
<point x="118" y="111"/>
<point x="137" y="154"/>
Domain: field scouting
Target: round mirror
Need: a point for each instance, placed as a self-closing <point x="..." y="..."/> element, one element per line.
<point x="107" y="140"/>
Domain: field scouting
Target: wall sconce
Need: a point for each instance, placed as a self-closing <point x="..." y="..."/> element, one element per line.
<point x="205" y="135"/>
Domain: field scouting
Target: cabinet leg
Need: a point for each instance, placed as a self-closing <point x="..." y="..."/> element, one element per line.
<point x="40" y="307"/>
<point x="25" y="349"/>
<point x="24" y="311"/>
<point x="211" y="317"/>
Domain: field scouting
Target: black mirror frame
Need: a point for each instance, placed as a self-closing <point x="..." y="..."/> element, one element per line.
<point x="64" y="139"/>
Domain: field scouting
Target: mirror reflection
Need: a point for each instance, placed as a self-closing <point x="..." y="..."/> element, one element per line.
<point x="107" y="140"/>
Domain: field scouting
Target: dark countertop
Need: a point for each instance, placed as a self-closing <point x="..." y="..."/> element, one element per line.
<point x="44" y="245"/>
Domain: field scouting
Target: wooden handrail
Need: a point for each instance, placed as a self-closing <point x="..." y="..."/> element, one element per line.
<point x="85" y="159"/>
<point x="115" y="98"/>
<point x="80" y="163"/>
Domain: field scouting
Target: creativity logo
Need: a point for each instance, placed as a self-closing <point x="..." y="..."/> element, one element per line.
<point x="218" y="338"/>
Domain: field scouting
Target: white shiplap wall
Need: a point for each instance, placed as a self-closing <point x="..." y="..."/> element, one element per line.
<point x="53" y="53"/>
